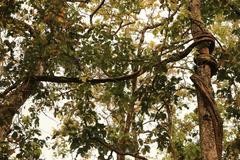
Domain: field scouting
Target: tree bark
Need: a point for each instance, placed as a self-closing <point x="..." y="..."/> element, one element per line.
<point x="210" y="123"/>
<point x="172" y="147"/>
<point x="129" y="120"/>
<point x="10" y="106"/>
<point x="12" y="102"/>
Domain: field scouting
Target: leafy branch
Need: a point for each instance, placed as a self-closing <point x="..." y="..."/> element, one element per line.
<point x="21" y="25"/>
<point x="115" y="149"/>
<point x="173" y="58"/>
<point x="59" y="79"/>
<point x="234" y="7"/>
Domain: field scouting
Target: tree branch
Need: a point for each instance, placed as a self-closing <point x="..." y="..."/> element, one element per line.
<point x="9" y="89"/>
<point x="96" y="10"/>
<point x="153" y="26"/>
<point x="122" y="26"/>
<point x="118" y="151"/>
<point x="18" y="24"/>
<point x="175" y="57"/>
<point x="180" y="55"/>
<point x="91" y="81"/>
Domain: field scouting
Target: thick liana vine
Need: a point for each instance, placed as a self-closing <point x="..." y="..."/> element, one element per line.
<point x="210" y="122"/>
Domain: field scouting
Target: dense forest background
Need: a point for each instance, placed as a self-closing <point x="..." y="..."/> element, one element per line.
<point x="116" y="75"/>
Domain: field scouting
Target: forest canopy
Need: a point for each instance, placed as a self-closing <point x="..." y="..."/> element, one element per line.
<point x="115" y="75"/>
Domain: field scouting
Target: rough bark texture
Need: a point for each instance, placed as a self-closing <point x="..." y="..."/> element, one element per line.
<point x="12" y="101"/>
<point x="9" y="107"/>
<point x="210" y="122"/>
<point x="172" y="147"/>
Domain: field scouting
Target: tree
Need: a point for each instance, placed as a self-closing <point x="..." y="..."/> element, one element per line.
<point x="210" y="122"/>
<point x="116" y="74"/>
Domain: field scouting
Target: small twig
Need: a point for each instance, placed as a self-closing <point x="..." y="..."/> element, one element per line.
<point x="110" y="156"/>
<point x="82" y="1"/>
<point x="122" y="26"/>
<point x="96" y="10"/>
<point x="219" y="44"/>
<point x="9" y="89"/>
<point x="148" y="27"/>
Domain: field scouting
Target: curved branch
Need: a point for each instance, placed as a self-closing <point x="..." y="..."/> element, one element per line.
<point x="15" y="97"/>
<point x="180" y="55"/>
<point x="57" y="79"/>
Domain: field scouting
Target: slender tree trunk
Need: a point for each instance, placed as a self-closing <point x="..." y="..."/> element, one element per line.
<point x="129" y="119"/>
<point x="210" y="123"/>
<point x="126" y="130"/>
<point x="172" y="148"/>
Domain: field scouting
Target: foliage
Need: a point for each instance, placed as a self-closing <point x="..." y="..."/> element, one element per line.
<point x="147" y="103"/>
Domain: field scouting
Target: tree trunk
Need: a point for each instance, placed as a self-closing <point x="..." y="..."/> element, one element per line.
<point x="12" y="101"/>
<point x="9" y="107"/>
<point x="210" y="123"/>
<point x="172" y="147"/>
<point x="129" y="119"/>
<point x="126" y="130"/>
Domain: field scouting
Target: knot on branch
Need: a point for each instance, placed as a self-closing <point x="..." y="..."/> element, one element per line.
<point x="208" y="59"/>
